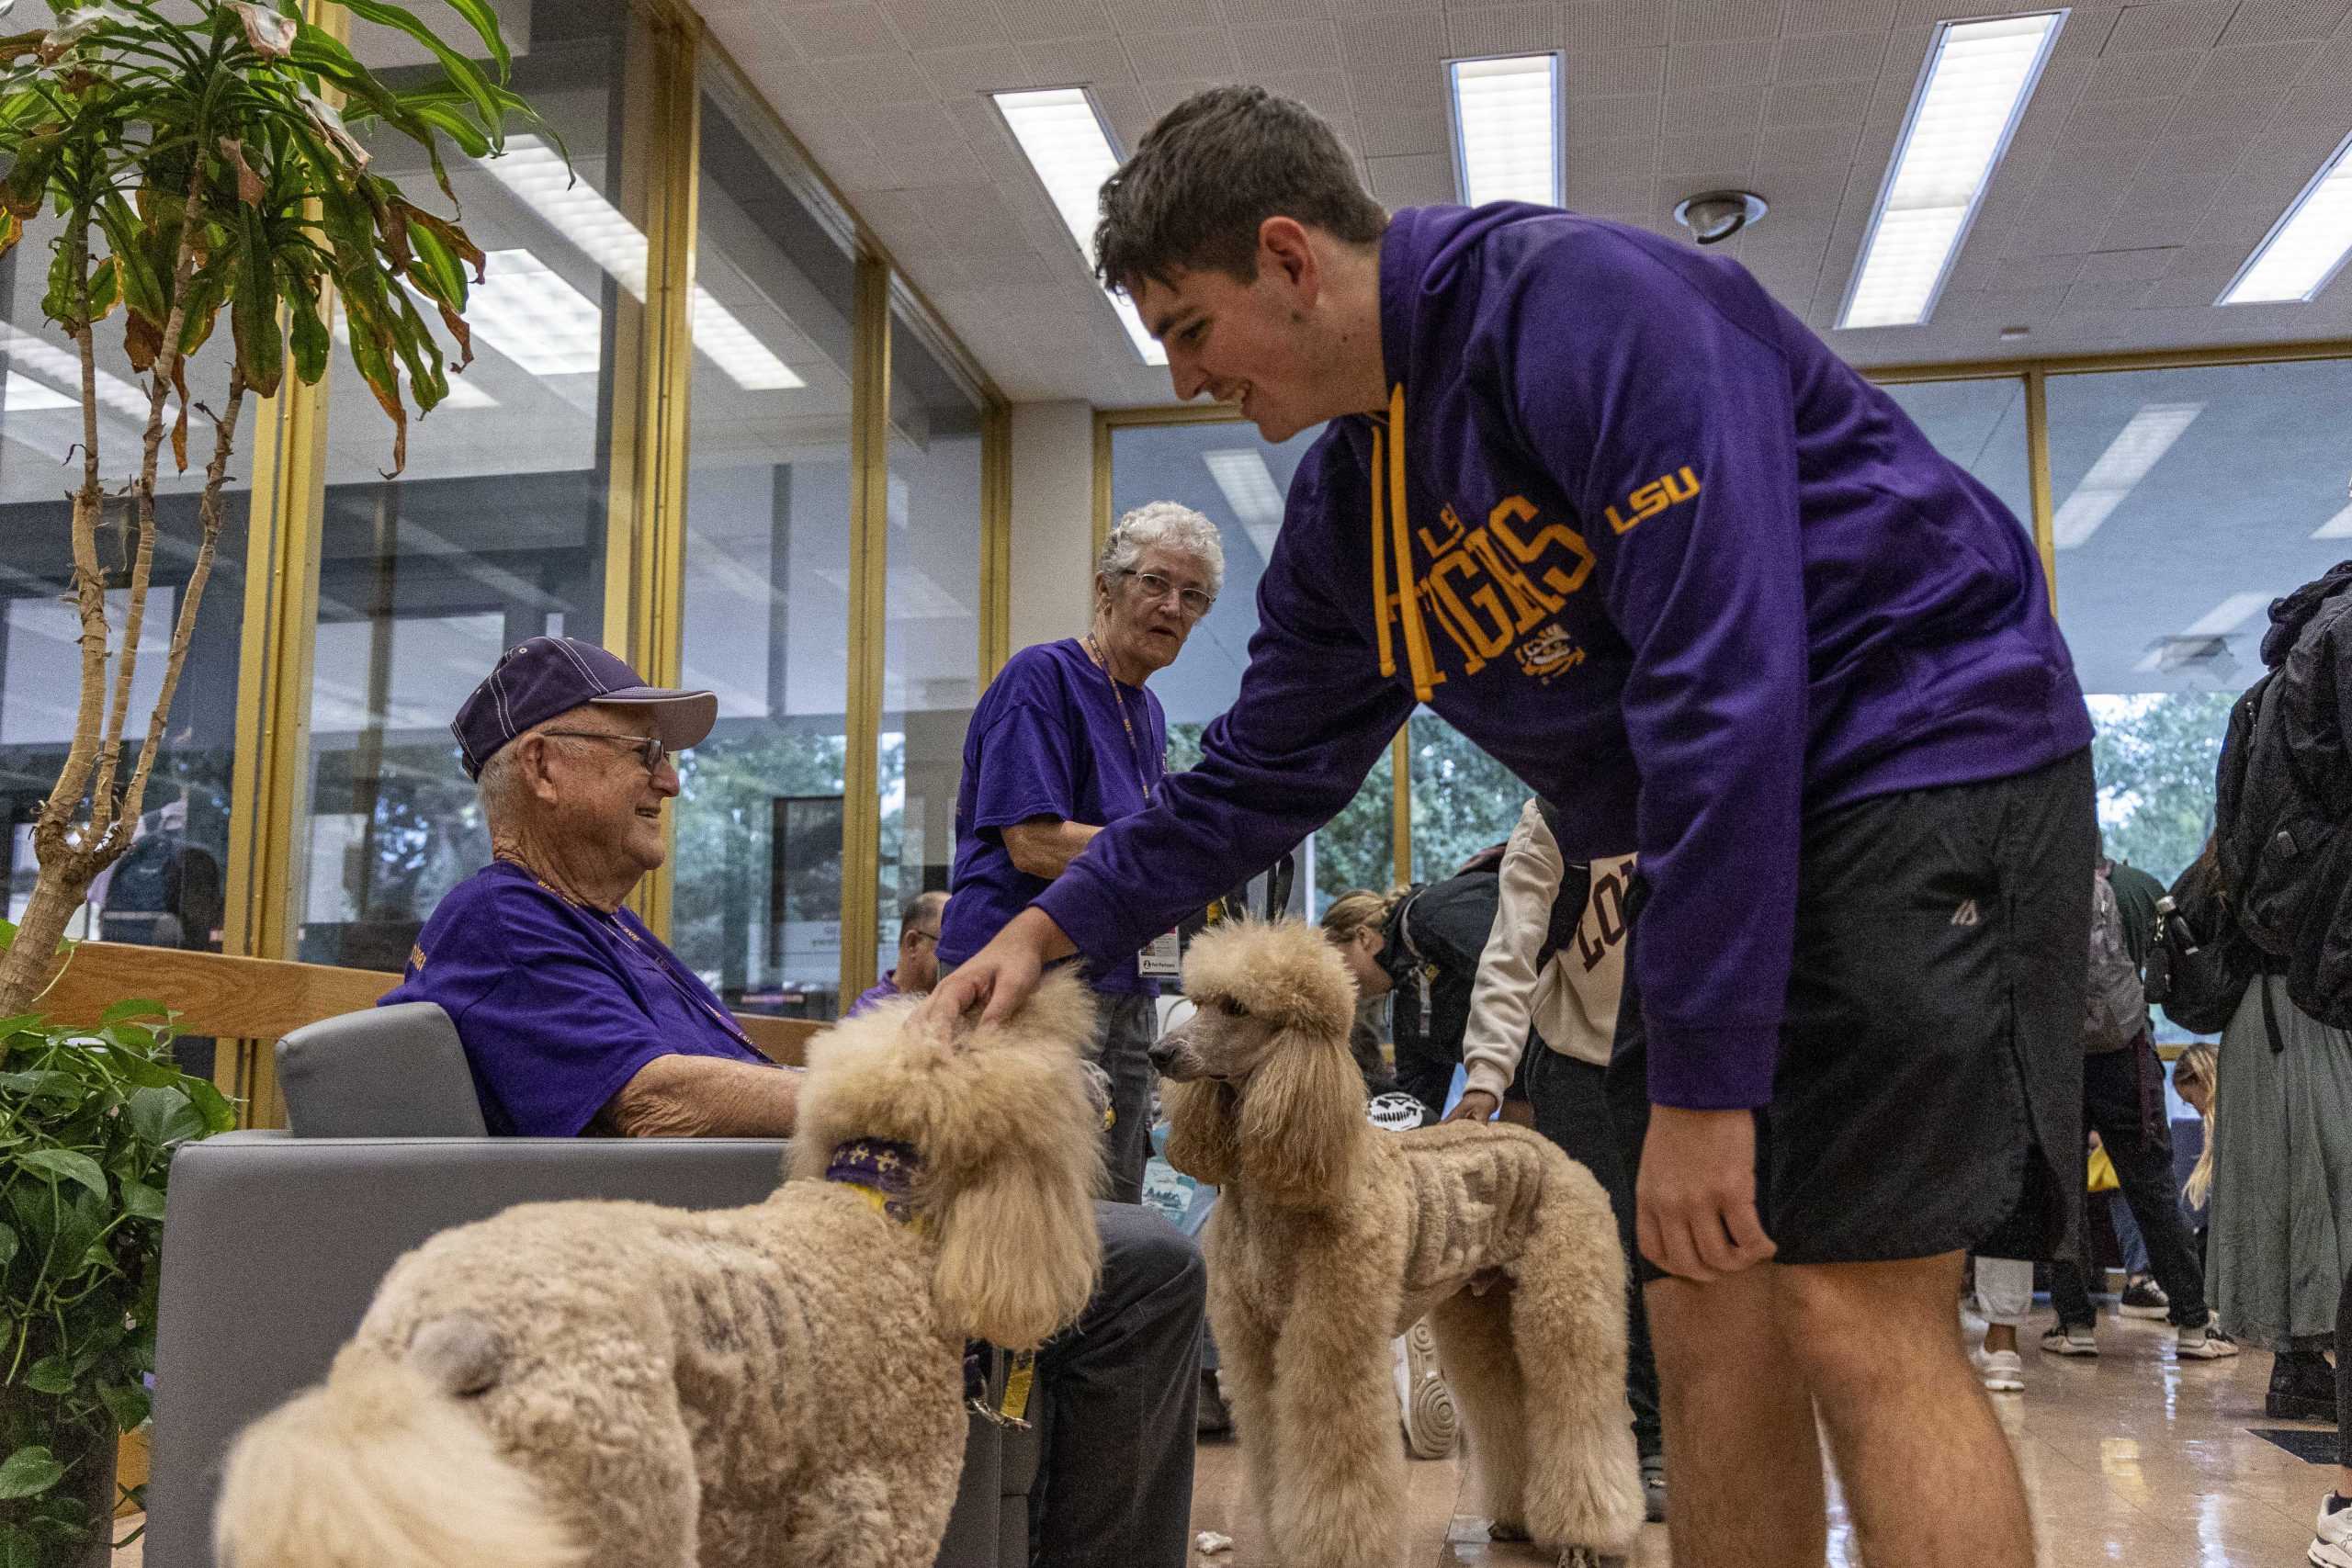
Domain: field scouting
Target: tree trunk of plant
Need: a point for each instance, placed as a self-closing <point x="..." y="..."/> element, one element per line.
<point x="24" y="970"/>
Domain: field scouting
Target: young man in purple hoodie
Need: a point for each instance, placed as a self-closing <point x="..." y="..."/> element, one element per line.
<point x="1629" y="525"/>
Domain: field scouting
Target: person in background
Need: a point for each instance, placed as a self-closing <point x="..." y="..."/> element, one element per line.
<point x="1545" y="1005"/>
<point x="1419" y="947"/>
<point x="576" y="1019"/>
<point x="1066" y="739"/>
<point x="918" y="967"/>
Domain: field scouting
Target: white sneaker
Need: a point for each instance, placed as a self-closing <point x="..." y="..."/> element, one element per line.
<point x="2069" y="1340"/>
<point x="2332" y="1539"/>
<point x="2002" y="1371"/>
<point x="2204" y="1343"/>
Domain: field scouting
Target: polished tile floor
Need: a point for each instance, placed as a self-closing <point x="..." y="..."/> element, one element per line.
<point x="2131" y="1459"/>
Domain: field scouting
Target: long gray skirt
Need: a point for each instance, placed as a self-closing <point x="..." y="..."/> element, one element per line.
<point x="2281" y="1228"/>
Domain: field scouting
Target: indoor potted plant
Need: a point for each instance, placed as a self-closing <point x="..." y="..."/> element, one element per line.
<point x="189" y="168"/>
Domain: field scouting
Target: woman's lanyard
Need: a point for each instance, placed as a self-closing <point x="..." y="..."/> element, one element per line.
<point x="1135" y="747"/>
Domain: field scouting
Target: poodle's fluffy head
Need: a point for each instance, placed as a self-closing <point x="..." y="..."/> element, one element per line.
<point x="1010" y="1140"/>
<point x="1263" y="1092"/>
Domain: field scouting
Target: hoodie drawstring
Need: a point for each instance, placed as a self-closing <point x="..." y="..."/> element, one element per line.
<point x="1388" y="497"/>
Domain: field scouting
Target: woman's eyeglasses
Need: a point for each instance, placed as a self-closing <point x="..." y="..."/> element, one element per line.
<point x="1195" y="602"/>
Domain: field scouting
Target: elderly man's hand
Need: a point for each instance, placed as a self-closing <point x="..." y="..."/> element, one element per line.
<point x="1002" y="976"/>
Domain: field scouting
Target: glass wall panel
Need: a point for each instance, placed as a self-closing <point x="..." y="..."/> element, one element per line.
<point x="1238" y="481"/>
<point x="756" y="909"/>
<point x="168" y="888"/>
<point x="1980" y="426"/>
<point x="1464" y="801"/>
<point x="495" y="531"/>
<point x="2187" y="502"/>
<point x="931" y="645"/>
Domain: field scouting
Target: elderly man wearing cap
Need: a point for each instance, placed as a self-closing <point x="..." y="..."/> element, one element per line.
<point x="575" y="1017"/>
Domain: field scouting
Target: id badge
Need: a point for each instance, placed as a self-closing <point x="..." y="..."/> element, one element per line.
<point x="1161" y="958"/>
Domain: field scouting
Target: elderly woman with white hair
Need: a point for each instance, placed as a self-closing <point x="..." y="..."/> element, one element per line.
<point x="1067" y="739"/>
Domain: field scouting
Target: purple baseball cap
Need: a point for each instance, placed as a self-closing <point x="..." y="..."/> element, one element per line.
<point x="537" y="680"/>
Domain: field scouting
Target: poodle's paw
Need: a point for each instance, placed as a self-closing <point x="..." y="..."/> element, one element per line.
<point x="1590" y="1557"/>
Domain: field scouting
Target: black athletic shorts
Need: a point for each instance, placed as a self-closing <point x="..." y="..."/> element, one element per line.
<point x="1930" y="1078"/>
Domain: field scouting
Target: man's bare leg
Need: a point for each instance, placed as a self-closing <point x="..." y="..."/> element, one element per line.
<point x="1928" y="1475"/>
<point x="1740" y="1440"/>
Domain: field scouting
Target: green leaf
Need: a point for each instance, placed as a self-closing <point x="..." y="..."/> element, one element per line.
<point x="7" y="1246"/>
<point x="128" y="1404"/>
<point x="141" y="1201"/>
<point x="253" y="314"/>
<point x="311" y="341"/>
<point x="68" y="1165"/>
<point x="28" y="1472"/>
<point x="124" y="1010"/>
<point x="463" y="73"/>
<point x="162" y="1117"/>
<point x="50" y="1375"/>
<point x="142" y="284"/>
<point x="218" y="1115"/>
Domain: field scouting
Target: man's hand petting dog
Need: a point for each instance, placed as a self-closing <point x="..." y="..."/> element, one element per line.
<point x="1695" y="1200"/>
<point x="1003" y="974"/>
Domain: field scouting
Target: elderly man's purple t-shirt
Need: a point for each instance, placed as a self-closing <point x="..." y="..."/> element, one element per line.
<point x="1046" y="740"/>
<point x="558" y="1006"/>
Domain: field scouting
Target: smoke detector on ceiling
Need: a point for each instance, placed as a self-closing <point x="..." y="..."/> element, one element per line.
<point x="1716" y="215"/>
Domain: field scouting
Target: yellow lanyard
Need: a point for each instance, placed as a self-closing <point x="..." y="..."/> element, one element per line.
<point x="1135" y="748"/>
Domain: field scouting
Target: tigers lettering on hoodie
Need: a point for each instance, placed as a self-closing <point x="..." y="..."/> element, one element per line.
<point x="1635" y="530"/>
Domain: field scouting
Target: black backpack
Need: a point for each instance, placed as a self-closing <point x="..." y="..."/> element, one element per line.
<point x="2200" y="963"/>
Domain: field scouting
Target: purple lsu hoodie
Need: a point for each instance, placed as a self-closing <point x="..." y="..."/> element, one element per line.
<point x="1636" y="531"/>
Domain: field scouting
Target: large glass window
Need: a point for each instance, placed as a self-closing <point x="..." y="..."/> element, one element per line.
<point x="2187" y="501"/>
<point x="931" y="638"/>
<point x="167" y="890"/>
<point x="495" y="530"/>
<point x="1238" y="481"/>
<point x="756" y="909"/>
<point x="1464" y="801"/>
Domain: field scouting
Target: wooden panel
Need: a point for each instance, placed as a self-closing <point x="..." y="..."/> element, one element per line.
<point x="260" y="998"/>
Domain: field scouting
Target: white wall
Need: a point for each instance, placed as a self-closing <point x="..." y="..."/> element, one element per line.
<point x="1053" y="521"/>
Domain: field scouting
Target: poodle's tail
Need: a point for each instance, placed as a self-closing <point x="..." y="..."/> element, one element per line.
<point x="380" y="1469"/>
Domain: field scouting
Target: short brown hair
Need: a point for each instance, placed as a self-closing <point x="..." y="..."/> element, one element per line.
<point x="1214" y="169"/>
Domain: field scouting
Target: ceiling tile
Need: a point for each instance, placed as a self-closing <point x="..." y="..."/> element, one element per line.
<point x="2006" y="307"/>
<point x="2138" y="232"/>
<point x="1802" y="18"/>
<point x="1814" y="106"/>
<point x="2184" y="24"/>
<point x="1726" y="159"/>
<point x="1705" y="21"/>
<point x="2252" y="67"/>
<point x="1830" y="57"/>
<point x="2161" y="74"/>
<point x="1412" y="114"/>
<point x="961" y="73"/>
<point x="1072" y="63"/>
<point x="1612" y="73"/>
<point x="1035" y="20"/>
<point x="911" y="125"/>
<point x="2085" y="33"/>
<point x="2084" y="299"/>
<point x="1609" y="118"/>
<point x="1728" y="111"/>
<point x="2063" y="226"/>
<point x="944" y="24"/>
<point x="1325" y="92"/>
<point x="1130" y="110"/>
<point x="1133" y="16"/>
<point x="1273" y="49"/>
<point x="1707" y="65"/>
<point x="1410" y="44"/>
<point x="886" y="80"/>
<point x="2120" y="267"/>
<point x="1805" y="147"/>
<point x="2186" y="288"/>
<point x="1616" y="24"/>
<point x="914" y="168"/>
<point x="1505" y="29"/>
<point x="2276" y="21"/>
<point x="829" y="32"/>
<point x="1415" y="179"/>
<point x="2116" y="119"/>
<point x="1610" y="195"/>
<point x="975" y="220"/>
<point x="2015" y="272"/>
<point x="1201" y="55"/>
<point x="1616" y="156"/>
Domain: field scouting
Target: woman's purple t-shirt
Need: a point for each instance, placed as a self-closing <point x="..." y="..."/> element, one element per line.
<point x="1046" y="740"/>
<point x="558" y="1005"/>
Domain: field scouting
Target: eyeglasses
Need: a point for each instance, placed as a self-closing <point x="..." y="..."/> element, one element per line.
<point x="1195" y="602"/>
<point x="648" y="748"/>
<point x="917" y="931"/>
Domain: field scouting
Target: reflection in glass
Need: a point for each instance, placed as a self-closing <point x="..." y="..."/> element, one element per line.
<point x="1238" y="481"/>
<point x="756" y="906"/>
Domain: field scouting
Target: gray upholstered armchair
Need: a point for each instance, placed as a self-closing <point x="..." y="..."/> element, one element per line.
<point x="274" y="1243"/>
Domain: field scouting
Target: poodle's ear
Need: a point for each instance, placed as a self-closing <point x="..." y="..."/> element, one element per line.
<point x="1204" y="1130"/>
<point x="1019" y="1253"/>
<point x="1302" y="1118"/>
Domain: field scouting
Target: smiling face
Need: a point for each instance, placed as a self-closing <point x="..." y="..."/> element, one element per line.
<point x="603" y="807"/>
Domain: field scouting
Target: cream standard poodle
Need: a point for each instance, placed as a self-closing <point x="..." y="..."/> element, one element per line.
<point x="1332" y="1237"/>
<point x="622" y="1384"/>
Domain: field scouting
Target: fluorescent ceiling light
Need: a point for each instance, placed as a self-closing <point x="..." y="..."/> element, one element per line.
<point x="1066" y="143"/>
<point x="25" y="395"/>
<point x="1978" y="77"/>
<point x="2336" y="528"/>
<point x="1251" y="490"/>
<point x="524" y="308"/>
<point x="540" y="179"/>
<point x="2304" y="248"/>
<point x="2228" y="615"/>
<point x="1506" y="114"/>
<point x="54" y="364"/>
<point x="2126" y="461"/>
